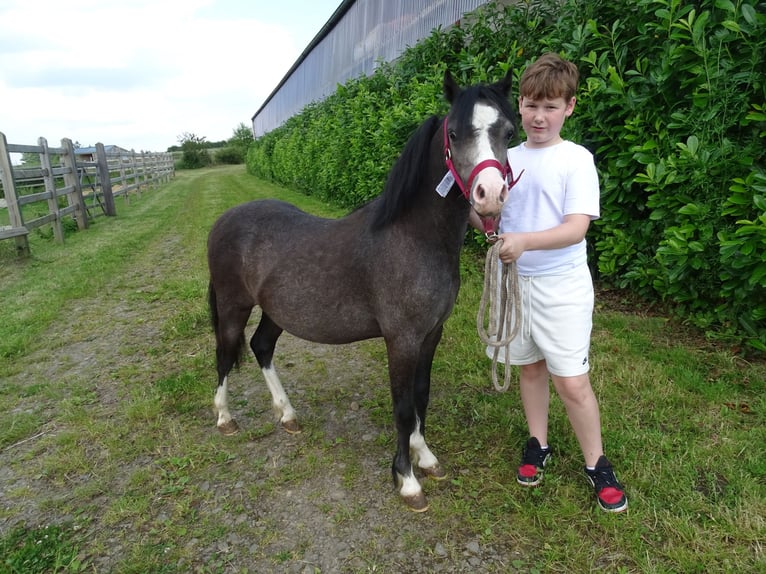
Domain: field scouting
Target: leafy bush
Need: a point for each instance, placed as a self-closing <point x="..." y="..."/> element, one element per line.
<point x="230" y="155"/>
<point x="194" y="152"/>
<point x="672" y="102"/>
<point x="668" y="107"/>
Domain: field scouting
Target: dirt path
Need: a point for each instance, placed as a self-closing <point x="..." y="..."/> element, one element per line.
<point x="149" y="485"/>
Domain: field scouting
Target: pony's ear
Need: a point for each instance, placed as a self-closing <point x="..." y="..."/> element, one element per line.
<point x="505" y="84"/>
<point x="451" y="89"/>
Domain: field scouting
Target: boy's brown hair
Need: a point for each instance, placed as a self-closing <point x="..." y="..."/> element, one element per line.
<point x="549" y="77"/>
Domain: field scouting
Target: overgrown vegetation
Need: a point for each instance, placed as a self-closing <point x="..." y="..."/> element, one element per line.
<point x="672" y="102"/>
<point x="196" y="151"/>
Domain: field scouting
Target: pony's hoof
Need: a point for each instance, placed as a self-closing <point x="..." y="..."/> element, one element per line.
<point x="436" y="472"/>
<point x="291" y="426"/>
<point x="229" y="428"/>
<point x="416" y="502"/>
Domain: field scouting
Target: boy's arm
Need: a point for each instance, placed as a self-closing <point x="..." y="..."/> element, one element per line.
<point x="571" y="231"/>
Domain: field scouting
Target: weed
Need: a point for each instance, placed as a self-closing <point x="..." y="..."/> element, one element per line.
<point x="49" y="549"/>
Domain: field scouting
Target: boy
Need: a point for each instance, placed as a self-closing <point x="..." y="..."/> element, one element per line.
<point x="543" y="226"/>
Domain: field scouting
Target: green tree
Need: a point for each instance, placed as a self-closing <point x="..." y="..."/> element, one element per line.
<point x="194" y="152"/>
<point x="241" y="138"/>
<point x="235" y="148"/>
<point x="30" y="159"/>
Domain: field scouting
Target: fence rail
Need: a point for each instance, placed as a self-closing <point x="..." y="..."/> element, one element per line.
<point x="88" y="187"/>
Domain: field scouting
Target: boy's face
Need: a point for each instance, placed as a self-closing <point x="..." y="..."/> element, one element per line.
<point x="542" y="119"/>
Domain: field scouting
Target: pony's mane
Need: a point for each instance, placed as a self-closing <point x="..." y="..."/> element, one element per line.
<point x="406" y="177"/>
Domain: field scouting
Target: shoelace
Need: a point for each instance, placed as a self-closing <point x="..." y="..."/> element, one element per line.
<point x="535" y="456"/>
<point x="604" y="477"/>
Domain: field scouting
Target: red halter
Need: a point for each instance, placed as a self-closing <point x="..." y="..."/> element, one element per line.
<point x="505" y="170"/>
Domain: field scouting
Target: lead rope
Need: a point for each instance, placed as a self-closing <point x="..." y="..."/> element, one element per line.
<point x="507" y="316"/>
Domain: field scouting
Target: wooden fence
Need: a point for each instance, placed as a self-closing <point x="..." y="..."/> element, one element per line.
<point x="89" y="187"/>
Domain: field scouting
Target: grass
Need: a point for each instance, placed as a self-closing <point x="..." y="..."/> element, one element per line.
<point x="45" y="549"/>
<point x="122" y="455"/>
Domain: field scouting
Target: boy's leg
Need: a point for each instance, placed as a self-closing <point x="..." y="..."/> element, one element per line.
<point x="582" y="409"/>
<point x="535" y="396"/>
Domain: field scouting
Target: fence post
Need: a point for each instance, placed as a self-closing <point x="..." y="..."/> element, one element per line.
<point x="134" y="170"/>
<point x="150" y="169"/>
<point x="105" y="179"/>
<point x="9" y="187"/>
<point x="50" y="190"/>
<point x="144" y="164"/>
<point x="71" y="179"/>
<point x="171" y="165"/>
<point x="123" y="177"/>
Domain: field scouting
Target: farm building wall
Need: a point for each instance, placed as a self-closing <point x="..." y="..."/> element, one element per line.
<point x="359" y="35"/>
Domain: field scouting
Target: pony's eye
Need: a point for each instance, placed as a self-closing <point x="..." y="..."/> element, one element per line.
<point x="452" y="135"/>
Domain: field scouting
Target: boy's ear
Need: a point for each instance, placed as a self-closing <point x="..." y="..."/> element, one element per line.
<point x="451" y="89"/>
<point x="570" y="106"/>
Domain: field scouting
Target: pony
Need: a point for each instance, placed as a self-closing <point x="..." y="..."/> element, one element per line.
<point x="388" y="269"/>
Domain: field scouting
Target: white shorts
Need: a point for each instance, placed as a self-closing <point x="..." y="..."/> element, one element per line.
<point x="557" y="318"/>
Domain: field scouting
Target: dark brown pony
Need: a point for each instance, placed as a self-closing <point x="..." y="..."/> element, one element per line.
<point x="389" y="269"/>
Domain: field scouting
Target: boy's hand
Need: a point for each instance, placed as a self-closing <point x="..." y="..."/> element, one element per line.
<point x="571" y="231"/>
<point x="512" y="248"/>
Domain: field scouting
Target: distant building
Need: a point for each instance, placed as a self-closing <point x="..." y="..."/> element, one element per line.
<point x="89" y="153"/>
<point x="359" y="35"/>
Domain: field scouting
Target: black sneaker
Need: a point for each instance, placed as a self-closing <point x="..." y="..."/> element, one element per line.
<point x="533" y="461"/>
<point x="609" y="493"/>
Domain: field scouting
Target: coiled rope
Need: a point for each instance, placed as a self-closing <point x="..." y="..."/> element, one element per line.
<point x="501" y="293"/>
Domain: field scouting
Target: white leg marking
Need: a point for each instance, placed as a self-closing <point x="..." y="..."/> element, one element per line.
<point x="410" y="486"/>
<point x="425" y="458"/>
<point x="279" y="398"/>
<point x="221" y="402"/>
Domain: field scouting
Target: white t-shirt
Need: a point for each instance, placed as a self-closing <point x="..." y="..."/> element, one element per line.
<point x="558" y="180"/>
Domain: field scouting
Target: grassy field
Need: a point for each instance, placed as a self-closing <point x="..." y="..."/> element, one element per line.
<point x="111" y="463"/>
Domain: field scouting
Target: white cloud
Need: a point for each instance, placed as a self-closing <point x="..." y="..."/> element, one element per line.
<point x="140" y="73"/>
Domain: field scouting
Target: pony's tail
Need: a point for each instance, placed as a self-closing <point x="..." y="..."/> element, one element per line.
<point x="212" y="303"/>
<point x="227" y="355"/>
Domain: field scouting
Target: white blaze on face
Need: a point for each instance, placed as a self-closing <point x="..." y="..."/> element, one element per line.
<point x="483" y="118"/>
<point x="490" y="179"/>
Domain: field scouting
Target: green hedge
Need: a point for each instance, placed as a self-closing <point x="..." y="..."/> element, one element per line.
<point x="672" y="102"/>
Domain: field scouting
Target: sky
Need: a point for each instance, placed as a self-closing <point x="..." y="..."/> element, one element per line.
<point x="140" y="73"/>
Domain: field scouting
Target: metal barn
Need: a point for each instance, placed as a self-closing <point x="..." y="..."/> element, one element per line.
<point x="358" y="35"/>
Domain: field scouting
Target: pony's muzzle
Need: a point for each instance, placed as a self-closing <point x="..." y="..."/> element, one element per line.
<point x="489" y="193"/>
<point x="482" y="193"/>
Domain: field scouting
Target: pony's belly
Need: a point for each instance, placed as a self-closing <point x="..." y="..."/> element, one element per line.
<point x="333" y="336"/>
<point x="332" y="329"/>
